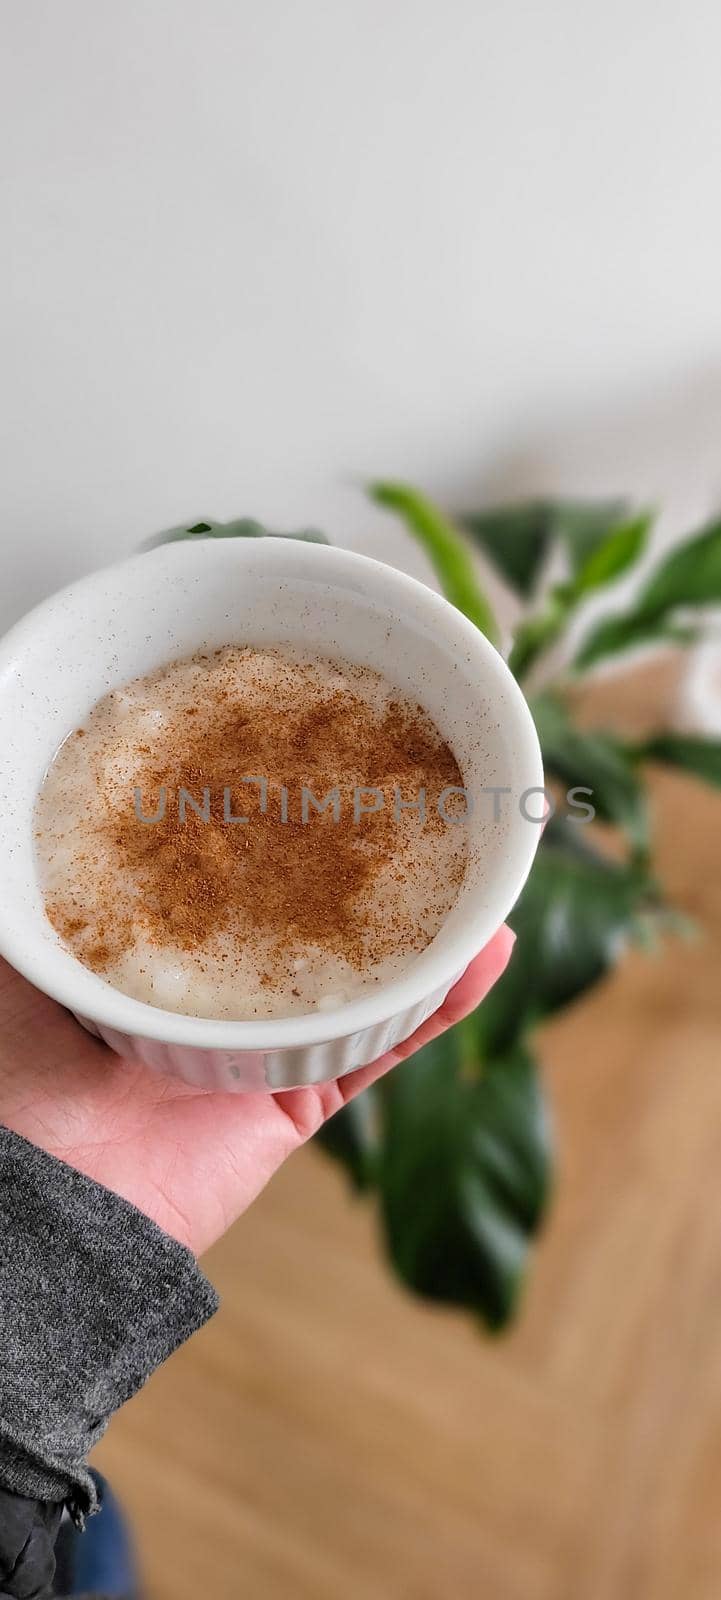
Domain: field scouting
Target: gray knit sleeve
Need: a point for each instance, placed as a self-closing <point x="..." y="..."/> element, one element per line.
<point x="93" y="1297"/>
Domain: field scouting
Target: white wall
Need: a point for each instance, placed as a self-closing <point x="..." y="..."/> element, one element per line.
<point x="259" y="249"/>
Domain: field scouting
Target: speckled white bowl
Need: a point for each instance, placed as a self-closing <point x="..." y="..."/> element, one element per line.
<point x="130" y="619"/>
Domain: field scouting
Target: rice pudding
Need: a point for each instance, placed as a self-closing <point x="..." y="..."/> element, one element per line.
<point x="251" y="833"/>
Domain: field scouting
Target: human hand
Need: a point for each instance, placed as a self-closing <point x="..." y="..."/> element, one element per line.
<point x="191" y="1159"/>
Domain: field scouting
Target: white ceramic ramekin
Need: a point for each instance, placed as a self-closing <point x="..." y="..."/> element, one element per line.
<point x="129" y="619"/>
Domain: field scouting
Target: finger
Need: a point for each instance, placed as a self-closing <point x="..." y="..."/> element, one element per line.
<point x="466" y="994"/>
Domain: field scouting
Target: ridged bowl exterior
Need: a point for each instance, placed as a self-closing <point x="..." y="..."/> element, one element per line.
<point x="245" y="1071"/>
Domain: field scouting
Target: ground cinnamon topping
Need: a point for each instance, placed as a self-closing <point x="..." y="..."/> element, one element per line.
<point x="344" y="880"/>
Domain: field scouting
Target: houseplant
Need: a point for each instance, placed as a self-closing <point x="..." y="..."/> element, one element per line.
<point x="455" y="1145"/>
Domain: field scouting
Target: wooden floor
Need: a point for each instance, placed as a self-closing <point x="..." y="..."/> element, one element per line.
<point x="328" y="1438"/>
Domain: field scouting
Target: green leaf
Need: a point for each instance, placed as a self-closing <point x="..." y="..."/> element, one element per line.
<point x="689" y="577"/>
<point x="208" y="527"/>
<point x="576" y="915"/>
<point x="465" y="1173"/>
<point x="536" y="633"/>
<point x="598" y="555"/>
<point x="584" y="526"/>
<point x="516" y="538"/>
<point x="519" y="538"/>
<point x="597" y="761"/>
<point x="616" y="634"/>
<point x="240" y="528"/>
<point x="445" y="548"/>
<point x="352" y="1138"/>
<point x="690" y="752"/>
<point x="618" y="551"/>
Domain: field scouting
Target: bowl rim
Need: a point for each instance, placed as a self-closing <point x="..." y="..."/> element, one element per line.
<point x="437" y="967"/>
